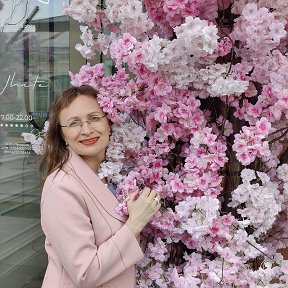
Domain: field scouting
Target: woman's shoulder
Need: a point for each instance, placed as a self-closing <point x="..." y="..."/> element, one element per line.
<point x="61" y="184"/>
<point x="59" y="175"/>
<point x="64" y="177"/>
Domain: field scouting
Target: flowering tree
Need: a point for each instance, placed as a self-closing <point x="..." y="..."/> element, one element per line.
<point x="199" y="102"/>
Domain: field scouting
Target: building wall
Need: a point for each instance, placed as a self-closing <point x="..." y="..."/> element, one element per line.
<point x="36" y="47"/>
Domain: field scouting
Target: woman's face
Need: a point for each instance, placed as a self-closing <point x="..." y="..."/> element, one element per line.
<point x="87" y="129"/>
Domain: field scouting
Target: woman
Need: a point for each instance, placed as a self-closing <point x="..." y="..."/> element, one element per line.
<point x="87" y="242"/>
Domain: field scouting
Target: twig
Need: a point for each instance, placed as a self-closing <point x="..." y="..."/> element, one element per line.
<point x="279" y="137"/>
<point x="279" y="130"/>
<point x="266" y="255"/>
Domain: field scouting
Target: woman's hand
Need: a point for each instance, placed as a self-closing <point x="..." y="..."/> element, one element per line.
<point x="142" y="209"/>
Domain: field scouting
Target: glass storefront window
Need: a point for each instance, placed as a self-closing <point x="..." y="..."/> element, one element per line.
<point x="34" y="61"/>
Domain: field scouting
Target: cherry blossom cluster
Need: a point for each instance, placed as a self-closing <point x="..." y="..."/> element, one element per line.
<point x="261" y="36"/>
<point x="125" y="137"/>
<point x="169" y="14"/>
<point x="199" y="102"/>
<point x="83" y="11"/>
<point x="250" y="143"/>
<point x="279" y="7"/>
<point x="262" y="200"/>
<point x="129" y="16"/>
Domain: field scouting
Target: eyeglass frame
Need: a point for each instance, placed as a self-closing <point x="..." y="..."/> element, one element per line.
<point x="82" y="123"/>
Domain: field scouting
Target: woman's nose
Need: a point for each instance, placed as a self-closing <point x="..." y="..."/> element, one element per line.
<point x="86" y="128"/>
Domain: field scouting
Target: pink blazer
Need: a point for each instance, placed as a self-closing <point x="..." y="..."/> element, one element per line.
<point x="87" y="242"/>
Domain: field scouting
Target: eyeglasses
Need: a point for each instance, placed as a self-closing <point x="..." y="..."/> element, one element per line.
<point x="94" y="121"/>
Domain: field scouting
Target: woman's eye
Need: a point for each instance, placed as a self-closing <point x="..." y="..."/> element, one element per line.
<point x="94" y="118"/>
<point x="74" y="124"/>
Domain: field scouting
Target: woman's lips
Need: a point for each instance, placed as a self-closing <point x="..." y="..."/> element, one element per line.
<point x="89" y="141"/>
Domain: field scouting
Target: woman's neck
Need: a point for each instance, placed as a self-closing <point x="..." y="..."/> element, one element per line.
<point x="94" y="163"/>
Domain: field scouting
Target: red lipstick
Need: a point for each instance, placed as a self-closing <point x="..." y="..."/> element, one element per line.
<point x="89" y="141"/>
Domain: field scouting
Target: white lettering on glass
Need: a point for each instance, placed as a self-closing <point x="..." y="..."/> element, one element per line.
<point x="11" y="83"/>
<point x="44" y="1"/>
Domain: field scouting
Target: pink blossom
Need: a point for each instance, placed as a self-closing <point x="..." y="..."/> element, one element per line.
<point x="122" y="209"/>
<point x="263" y="127"/>
<point x="224" y="47"/>
<point x="162" y="113"/>
<point x="199" y="106"/>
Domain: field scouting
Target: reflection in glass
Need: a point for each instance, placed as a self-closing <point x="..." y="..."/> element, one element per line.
<point x="34" y="59"/>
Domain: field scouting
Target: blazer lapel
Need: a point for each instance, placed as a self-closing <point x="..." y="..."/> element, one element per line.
<point x="94" y="186"/>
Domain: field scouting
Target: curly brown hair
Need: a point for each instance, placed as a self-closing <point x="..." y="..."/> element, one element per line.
<point x="56" y="153"/>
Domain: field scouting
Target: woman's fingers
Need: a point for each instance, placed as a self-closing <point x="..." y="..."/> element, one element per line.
<point x="151" y="197"/>
<point x="146" y="191"/>
<point x="132" y="196"/>
<point x="142" y="209"/>
<point x="152" y="194"/>
<point x="157" y="200"/>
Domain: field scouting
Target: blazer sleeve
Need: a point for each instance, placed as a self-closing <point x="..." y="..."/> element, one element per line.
<point x="67" y="226"/>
